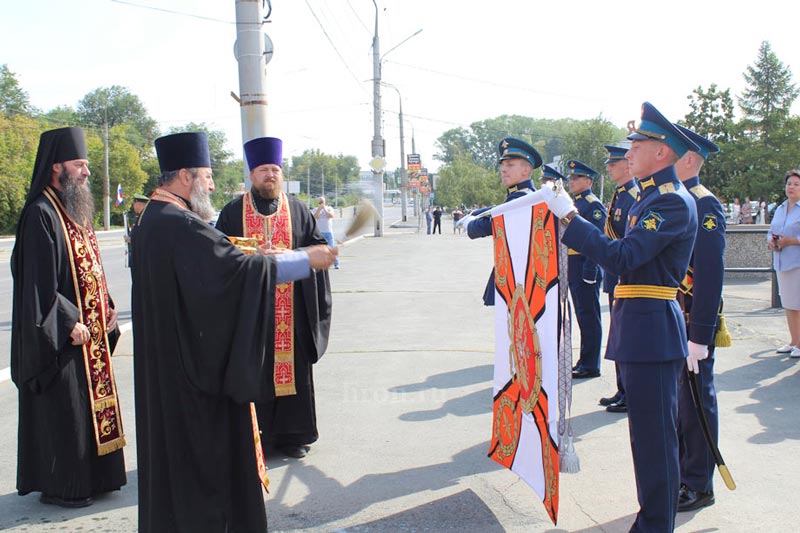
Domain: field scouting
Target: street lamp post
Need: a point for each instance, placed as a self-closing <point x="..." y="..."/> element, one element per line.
<point x="403" y="171"/>
<point x="378" y="149"/>
<point x="377" y="142"/>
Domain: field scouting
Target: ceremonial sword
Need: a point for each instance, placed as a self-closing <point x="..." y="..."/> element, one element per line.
<point x="694" y="386"/>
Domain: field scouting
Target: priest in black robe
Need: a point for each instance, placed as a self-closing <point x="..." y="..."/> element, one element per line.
<point x="203" y="337"/>
<point x="53" y="331"/>
<point x="288" y="421"/>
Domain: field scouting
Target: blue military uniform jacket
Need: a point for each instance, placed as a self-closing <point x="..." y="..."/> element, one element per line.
<point x="650" y="260"/>
<point x="702" y="286"/>
<point x="617" y="222"/>
<point x="590" y="208"/>
<point x="482" y="227"/>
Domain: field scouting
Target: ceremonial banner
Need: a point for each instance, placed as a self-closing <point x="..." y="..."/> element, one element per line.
<point x="524" y="429"/>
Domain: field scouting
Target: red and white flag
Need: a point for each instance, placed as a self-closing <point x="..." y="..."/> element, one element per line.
<point x="526" y="394"/>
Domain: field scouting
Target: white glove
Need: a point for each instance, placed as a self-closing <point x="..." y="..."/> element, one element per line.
<point x="697" y="352"/>
<point x="560" y="203"/>
<point x="464" y="222"/>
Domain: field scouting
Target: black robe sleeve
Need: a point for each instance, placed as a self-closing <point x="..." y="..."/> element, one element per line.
<point x="44" y="300"/>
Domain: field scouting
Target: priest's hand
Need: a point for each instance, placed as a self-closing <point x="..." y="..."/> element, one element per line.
<point x="111" y="320"/>
<point x="321" y="256"/>
<point x="267" y="249"/>
<point x="80" y="335"/>
<point x="697" y="352"/>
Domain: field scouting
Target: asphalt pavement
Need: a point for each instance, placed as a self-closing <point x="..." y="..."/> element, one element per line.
<point x="404" y="405"/>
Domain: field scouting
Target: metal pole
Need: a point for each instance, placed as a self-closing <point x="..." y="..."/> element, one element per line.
<point x="253" y="50"/>
<point x="106" y="185"/>
<point x="377" y="141"/>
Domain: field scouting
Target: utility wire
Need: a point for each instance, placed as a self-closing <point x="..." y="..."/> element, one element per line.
<point x="334" y="47"/>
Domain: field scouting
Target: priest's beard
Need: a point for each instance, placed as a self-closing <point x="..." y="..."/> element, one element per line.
<point x="77" y="199"/>
<point x="268" y="190"/>
<point x="200" y="198"/>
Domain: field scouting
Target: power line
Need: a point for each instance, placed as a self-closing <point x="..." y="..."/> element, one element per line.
<point x="334" y="46"/>
<point x="180" y="13"/>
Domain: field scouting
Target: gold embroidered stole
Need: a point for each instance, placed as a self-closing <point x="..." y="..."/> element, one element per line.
<point x="93" y="304"/>
<point x="275" y="230"/>
<point x="261" y="465"/>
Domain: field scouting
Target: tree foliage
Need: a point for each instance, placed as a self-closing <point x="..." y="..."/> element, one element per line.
<point x="13" y="99"/>
<point x="770" y="93"/>
<point x="318" y="172"/>
<point x="464" y="181"/>
<point x="117" y="105"/>
<point x="19" y="139"/>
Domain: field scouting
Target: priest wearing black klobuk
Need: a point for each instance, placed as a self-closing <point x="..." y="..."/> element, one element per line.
<point x="63" y="334"/>
<point x="203" y="323"/>
<point x="280" y="222"/>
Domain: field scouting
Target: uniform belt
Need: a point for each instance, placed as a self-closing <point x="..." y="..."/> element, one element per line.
<point x="655" y="292"/>
<point x="570" y="251"/>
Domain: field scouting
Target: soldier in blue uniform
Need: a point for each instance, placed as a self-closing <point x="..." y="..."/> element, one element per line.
<point x="650" y="260"/>
<point x="625" y="195"/>
<point x="700" y="298"/>
<point x="550" y="175"/>
<point x="584" y="275"/>
<point x="517" y="161"/>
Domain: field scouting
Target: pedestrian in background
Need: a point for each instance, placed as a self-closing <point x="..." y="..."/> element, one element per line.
<point x="761" y="214"/>
<point x="324" y="215"/>
<point x="437" y="219"/>
<point x="428" y="219"/>
<point x="747" y="211"/>
<point x="457" y="214"/>
<point x="783" y="239"/>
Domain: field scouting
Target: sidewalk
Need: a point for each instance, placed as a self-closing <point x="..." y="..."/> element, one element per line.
<point x="404" y="407"/>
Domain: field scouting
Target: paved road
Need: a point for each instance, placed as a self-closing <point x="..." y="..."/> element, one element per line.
<point x="404" y="407"/>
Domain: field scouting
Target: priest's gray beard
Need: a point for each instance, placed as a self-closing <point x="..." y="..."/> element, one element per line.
<point x="77" y="199"/>
<point x="200" y="198"/>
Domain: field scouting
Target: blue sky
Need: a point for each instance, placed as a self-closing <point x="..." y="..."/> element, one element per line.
<point x="472" y="61"/>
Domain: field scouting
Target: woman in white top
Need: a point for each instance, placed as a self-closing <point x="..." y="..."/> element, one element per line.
<point x="783" y="239"/>
<point x="324" y="215"/>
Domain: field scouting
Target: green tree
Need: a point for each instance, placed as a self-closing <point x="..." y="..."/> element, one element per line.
<point x="117" y="105"/>
<point x="711" y="116"/>
<point x="480" y="141"/>
<point x="322" y="172"/>
<point x="124" y="166"/>
<point x="464" y="181"/>
<point x="19" y="139"/>
<point x="770" y="93"/>
<point x="764" y="143"/>
<point x="13" y="99"/>
<point x="585" y="142"/>
<point x="59" y="117"/>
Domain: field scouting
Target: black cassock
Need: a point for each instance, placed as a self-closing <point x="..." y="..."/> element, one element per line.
<point x="292" y="420"/>
<point x="203" y="335"/>
<point x="57" y="451"/>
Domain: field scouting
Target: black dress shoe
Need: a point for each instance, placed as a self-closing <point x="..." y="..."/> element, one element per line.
<point x="689" y="500"/>
<point x="298" y="452"/>
<point x="71" y="503"/>
<point x="582" y="373"/>
<point x="608" y="401"/>
<point x="618" y="407"/>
